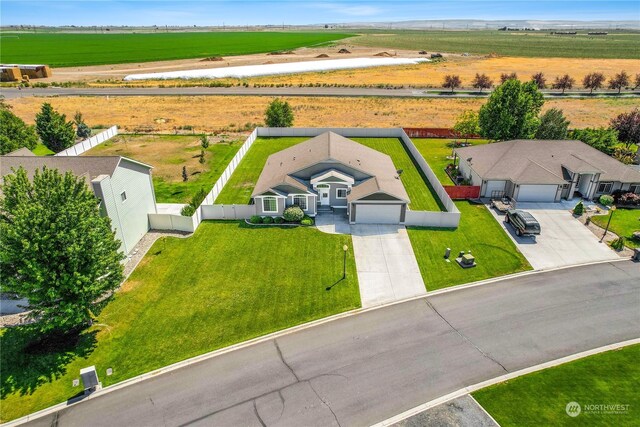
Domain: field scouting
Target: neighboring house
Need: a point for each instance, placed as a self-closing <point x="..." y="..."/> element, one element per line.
<point x="123" y="186"/>
<point x="544" y="171"/>
<point x="331" y="171"/>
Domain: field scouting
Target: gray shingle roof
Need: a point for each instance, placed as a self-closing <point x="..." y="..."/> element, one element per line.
<point x="330" y="146"/>
<point x="542" y="162"/>
<point x="90" y="166"/>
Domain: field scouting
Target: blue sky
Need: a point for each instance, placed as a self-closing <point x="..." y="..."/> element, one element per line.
<point x="102" y="12"/>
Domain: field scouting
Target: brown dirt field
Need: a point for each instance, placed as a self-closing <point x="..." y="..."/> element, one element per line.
<point x="215" y="113"/>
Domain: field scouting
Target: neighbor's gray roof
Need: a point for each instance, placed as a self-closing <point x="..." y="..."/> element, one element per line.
<point x="542" y="162"/>
<point x="89" y="166"/>
<point x="330" y="146"/>
<point x="21" y="152"/>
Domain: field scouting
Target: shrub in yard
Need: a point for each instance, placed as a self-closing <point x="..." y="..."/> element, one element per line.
<point x="188" y="211"/>
<point x="267" y="220"/>
<point x="618" y="244"/>
<point x="629" y="199"/>
<point x="307" y="221"/>
<point x="579" y="209"/>
<point x="606" y="200"/>
<point x="293" y="214"/>
<point x="279" y="220"/>
<point x="256" y="219"/>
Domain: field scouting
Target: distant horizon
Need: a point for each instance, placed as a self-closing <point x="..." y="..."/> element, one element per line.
<point x="218" y="13"/>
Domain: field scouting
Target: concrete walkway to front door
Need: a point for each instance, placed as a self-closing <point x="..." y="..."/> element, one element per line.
<point x="386" y="265"/>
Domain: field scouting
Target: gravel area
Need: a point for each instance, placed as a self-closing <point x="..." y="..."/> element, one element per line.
<point x="463" y="411"/>
<point x="134" y="259"/>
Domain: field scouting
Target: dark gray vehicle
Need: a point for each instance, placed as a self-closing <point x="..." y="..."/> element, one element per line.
<point x="522" y="222"/>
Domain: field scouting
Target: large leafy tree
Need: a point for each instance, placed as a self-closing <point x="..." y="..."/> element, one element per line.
<point x="54" y="130"/>
<point x="602" y="139"/>
<point x="451" y="81"/>
<point x="467" y="124"/>
<point x="279" y="114"/>
<point x="511" y="111"/>
<point x="481" y="81"/>
<point x="619" y="81"/>
<point x="56" y="250"/>
<point x="553" y="125"/>
<point x="15" y="133"/>
<point x="628" y="127"/>
<point x="563" y="82"/>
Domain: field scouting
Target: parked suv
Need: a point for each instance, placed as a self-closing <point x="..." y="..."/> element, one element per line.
<point x="523" y="222"/>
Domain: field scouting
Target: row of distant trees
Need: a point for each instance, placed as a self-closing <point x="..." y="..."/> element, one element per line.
<point x="592" y="81"/>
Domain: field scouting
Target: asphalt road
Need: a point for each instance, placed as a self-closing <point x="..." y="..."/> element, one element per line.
<point x="11" y="93"/>
<point x="366" y="368"/>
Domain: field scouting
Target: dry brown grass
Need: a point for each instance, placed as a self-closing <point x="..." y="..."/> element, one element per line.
<point x="432" y="74"/>
<point x="175" y="151"/>
<point x="212" y="113"/>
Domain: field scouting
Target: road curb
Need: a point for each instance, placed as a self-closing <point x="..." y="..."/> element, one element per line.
<point x="470" y="389"/>
<point x="272" y="336"/>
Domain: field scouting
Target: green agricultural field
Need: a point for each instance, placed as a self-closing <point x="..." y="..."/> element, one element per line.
<point x="541" y="398"/>
<point x="239" y="188"/>
<point x="69" y="50"/>
<point x="530" y="44"/>
<point x="188" y="296"/>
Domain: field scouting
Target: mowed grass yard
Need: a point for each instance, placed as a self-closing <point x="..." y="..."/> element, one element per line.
<point x="187" y="297"/>
<point x="540" y="398"/>
<point x="617" y="44"/>
<point x="436" y="150"/>
<point x="239" y="188"/>
<point x="69" y="50"/>
<point x="496" y="255"/>
<point x="168" y="154"/>
<point x="623" y="223"/>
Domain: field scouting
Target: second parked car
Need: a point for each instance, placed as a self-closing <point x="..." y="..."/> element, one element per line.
<point x="522" y="222"/>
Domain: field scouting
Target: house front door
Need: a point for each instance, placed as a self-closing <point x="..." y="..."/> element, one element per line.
<point x="323" y="194"/>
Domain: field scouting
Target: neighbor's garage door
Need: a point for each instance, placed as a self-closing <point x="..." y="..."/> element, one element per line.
<point x="377" y="214"/>
<point x="537" y="193"/>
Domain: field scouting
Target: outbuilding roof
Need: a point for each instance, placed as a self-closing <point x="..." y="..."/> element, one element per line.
<point x="543" y="162"/>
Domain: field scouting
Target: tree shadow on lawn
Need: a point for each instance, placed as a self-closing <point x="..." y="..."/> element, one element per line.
<point x="30" y="360"/>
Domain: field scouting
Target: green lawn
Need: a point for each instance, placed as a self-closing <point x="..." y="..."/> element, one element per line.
<point x="422" y="196"/>
<point x="187" y="297"/>
<point x="436" y="150"/>
<point x="239" y="188"/>
<point x="69" y="50"/>
<point x="617" y="44"/>
<point x="540" y="398"/>
<point x="42" y="150"/>
<point x="624" y="222"/>
<point x="243" y="180"/>
<point x="168" y="154"/>
<point x="496" y="255"/>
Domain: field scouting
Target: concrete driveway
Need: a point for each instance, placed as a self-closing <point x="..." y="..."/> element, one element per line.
<point x="564" y="240"/>
<point x="387" y="267"/>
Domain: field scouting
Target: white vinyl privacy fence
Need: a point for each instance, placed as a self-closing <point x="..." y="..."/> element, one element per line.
<point x="88" y="144"/>
<point x="209" y="210"/>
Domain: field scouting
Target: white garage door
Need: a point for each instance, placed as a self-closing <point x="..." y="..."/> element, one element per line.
<point x="378" y="214"/>
<point x="492" y="186"/>
<point x="537" y="193"/>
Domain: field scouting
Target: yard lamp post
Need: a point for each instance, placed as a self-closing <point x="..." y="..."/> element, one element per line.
<point x="345" y="248"/>
<point x="611" y="211"/>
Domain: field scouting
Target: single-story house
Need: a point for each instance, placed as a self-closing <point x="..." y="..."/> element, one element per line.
<point x="544" y="171"/>
<point x="123" y="186"/>
<point x="331" y="171"/>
